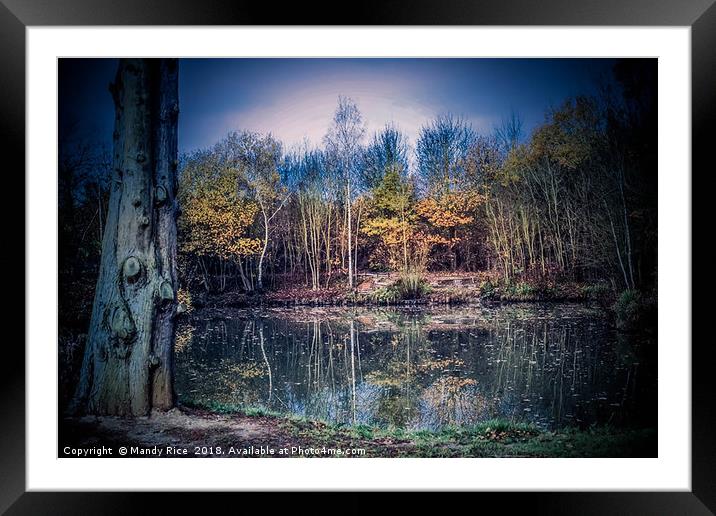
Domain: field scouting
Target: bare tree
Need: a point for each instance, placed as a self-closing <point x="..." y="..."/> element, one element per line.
<point x="343" y="144"/>
<point x="258" y="159"/>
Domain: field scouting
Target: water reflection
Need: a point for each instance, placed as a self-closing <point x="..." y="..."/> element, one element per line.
<point x="554" y="365"/>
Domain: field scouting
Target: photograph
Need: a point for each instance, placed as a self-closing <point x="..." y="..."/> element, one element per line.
<point x="374" y="257"/>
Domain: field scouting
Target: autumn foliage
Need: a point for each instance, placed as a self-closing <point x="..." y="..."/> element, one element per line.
<point x="571" y="201"/>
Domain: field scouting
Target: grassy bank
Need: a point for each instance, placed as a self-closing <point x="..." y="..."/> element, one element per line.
<point x="491" y="438"/>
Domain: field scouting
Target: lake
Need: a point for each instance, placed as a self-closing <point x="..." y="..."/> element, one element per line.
<point x="555" y="365"/>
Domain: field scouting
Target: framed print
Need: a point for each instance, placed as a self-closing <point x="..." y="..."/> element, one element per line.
<point x="433" y="250"/>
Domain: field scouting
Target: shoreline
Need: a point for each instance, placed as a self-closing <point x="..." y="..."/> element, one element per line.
<point x="435" y="290"/>
<point x="192" y="431"/>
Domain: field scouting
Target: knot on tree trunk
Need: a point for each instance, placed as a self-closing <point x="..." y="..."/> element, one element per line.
<point x="153" y="361"/>
<point x="122" y="330"/>
<point x="121" y="324"/>
<point x="132" y="269"/>
<point x="160" y="195"/>
<point x="166" y="291"/>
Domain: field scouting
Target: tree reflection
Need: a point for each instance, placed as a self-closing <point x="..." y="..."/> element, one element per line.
<point x="418" y="369"/>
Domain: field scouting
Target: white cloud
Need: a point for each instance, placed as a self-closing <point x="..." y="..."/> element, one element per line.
<point x="303" y="111"/>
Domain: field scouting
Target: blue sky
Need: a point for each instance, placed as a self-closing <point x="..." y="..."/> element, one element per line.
<point x="294" y="99"/>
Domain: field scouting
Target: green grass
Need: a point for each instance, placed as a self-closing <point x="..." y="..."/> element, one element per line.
<point x="409" y="287"/>
<point x="494" y="438"/>
<point x="228" y="408"/>
<point x="634" y="310"/>
<point x="412" y="285"/>
<point x="491" y="438"/>
<point x="599" y="292"/>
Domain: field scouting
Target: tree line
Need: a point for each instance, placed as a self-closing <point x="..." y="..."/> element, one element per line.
<point x="574" y="200"/>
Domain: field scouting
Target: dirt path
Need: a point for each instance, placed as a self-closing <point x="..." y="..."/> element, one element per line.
<point x="202" y="433"/>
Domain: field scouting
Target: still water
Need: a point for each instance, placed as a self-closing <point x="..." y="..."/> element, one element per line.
<point x="554" y="365"/>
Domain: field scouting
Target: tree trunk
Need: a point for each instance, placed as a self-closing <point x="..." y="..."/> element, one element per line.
<point x="350" y="237"/>
<point x="263" y="249"/>
<point x="128" y="362"/>
<point x="355" y="247"/>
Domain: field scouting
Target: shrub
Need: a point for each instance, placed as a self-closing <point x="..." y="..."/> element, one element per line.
<point x="517" y="292"/>
<point x="386" y="295"/>
<point x="599" y="292"/>
<point x="487" y="290"/>
<point x="633" y="309"/>
<point x="524" y="291"/>
<point x="409" y="286"/>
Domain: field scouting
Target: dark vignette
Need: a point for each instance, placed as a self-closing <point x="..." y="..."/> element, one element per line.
<point x="612" y="12"/>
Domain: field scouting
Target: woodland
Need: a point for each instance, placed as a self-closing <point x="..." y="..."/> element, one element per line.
<point x="149" y="237"/>
<point x="574" y="201"/>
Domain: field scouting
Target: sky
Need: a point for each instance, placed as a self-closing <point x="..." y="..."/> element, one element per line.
<point x="294" y="99"/>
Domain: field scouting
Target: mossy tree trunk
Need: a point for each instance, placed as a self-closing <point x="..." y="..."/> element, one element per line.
<point x="128" y="361"/>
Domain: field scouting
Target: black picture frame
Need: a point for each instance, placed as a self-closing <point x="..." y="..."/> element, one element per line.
<point x="17" y="15"/>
